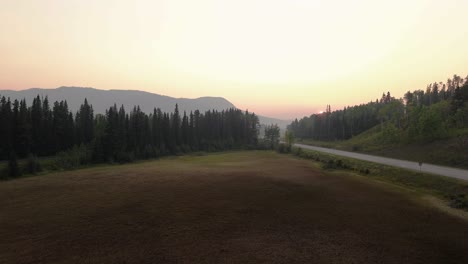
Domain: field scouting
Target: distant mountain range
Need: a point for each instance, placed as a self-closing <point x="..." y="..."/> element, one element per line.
<point x="103" y="99"/>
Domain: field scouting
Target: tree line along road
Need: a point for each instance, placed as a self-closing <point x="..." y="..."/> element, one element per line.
<point x="410" y="165"/>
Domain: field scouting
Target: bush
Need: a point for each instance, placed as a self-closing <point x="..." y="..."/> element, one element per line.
<point x="74" y="157"/>
<point x="124" y="157"/>
<point x="282" y="148"/>
<point x="67" y="160"/>
<point x="185" y="148"/>
<point x="458" y="201"/>
<point x="4" y="173"/>
<point x="148" y="152"/>
<point x="330" y="164"/>
<point x="33" y="166"/>
<point x="298" y="152"/>
<point x="13" y="168"/>
<point x="431" y="124"/>
<point x="390" y="134"/>
<point x="355" y="148"/>
<point x="339" y="163"/>
<point x="253" y="147"/>
<point x="262" y="145"/>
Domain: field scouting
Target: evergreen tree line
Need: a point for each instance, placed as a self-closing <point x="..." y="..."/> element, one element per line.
<point x="422" y="115"/>
<point x="42" y="129"/>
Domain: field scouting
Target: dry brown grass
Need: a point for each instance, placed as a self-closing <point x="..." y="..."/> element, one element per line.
<point x="240" y="207"/>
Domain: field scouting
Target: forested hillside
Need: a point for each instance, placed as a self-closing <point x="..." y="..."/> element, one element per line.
<point x="438" y="112"/>
<point x="44" y="129"/>
<point x="102" y="99"/>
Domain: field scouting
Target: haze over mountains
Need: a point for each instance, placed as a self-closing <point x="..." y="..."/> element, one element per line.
<point x="103" y="99"/>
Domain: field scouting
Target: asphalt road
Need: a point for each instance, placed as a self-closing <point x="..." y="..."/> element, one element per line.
<point x="411" y="165"/>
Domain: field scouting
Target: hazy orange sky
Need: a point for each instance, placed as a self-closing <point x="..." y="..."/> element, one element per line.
<point x="282" y="58"/>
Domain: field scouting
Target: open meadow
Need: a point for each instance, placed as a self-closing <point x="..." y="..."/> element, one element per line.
<point x="231" y="207"/>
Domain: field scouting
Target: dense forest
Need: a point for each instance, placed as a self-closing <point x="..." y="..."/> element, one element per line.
<point x="42" y="129"/>
<point x="422" y="116"/>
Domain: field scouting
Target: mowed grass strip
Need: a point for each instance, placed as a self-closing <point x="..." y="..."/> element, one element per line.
<point x="234" y="207"/>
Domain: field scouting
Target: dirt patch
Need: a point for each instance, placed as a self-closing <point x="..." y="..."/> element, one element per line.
<point x="254" y="207"/>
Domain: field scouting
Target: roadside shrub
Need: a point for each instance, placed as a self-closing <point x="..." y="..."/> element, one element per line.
<point x="355" y="148"/>
<point x="298" y="152"/>
<point x="330" y="164"/>
<point x="339" y="163"/>
<point x="458" y="201"/>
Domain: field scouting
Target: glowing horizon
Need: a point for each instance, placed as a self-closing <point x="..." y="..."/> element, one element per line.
<point x="279" y="58"/>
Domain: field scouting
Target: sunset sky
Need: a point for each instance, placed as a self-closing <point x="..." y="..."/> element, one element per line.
<point x="280" y="58"/>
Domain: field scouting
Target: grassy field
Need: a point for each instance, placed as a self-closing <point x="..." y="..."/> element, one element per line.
<point x="235" y="207"/>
